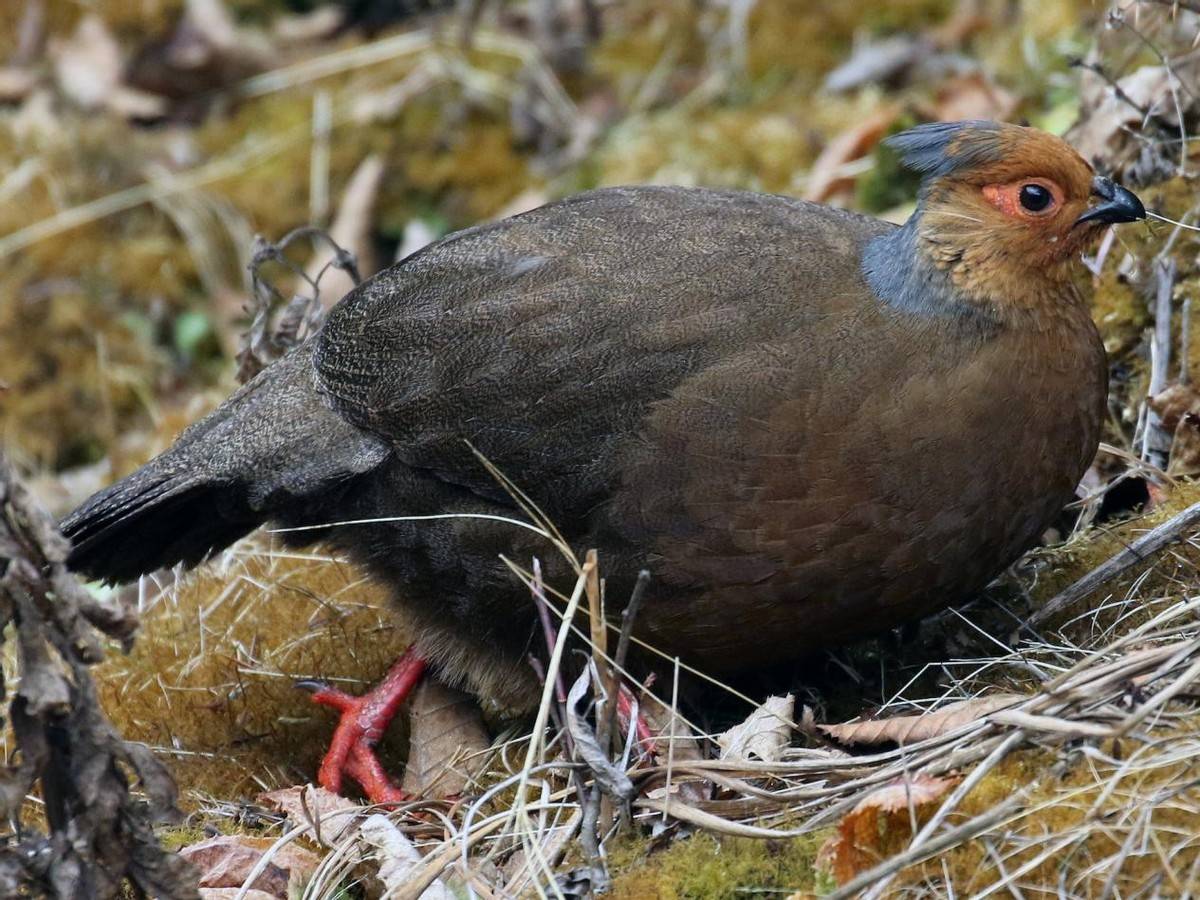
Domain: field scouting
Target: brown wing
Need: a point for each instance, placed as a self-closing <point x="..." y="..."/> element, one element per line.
<point x="547" y="339"/>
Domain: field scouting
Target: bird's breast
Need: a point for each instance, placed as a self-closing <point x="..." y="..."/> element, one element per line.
<point x="832" y="503"/>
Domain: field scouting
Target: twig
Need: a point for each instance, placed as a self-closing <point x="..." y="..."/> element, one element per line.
<point x="1135" y="553"/>
<point x="1185" y="341"/>
<point x="100" y="834"/>
<point x="628" y="617"/>
<point x="1156" y="441"/>
<point x="1112" y="83"/>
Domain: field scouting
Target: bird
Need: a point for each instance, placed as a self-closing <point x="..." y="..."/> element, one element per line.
<point x="807" y="424"/>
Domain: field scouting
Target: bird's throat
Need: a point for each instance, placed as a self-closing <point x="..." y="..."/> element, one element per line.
<point x="932" y="274"/>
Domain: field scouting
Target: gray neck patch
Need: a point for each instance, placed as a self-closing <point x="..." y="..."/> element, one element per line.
<point x="894" y="269"/>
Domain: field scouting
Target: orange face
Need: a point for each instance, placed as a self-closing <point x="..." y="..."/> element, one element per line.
<point x="1025" y="207"/>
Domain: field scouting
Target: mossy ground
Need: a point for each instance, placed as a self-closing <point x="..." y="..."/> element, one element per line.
<point x="210" y="681"/>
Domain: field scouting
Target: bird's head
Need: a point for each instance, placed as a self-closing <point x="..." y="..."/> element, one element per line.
<point x="1002" y="204"/>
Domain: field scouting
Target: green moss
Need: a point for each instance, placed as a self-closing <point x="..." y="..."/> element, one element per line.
<point x="705" y="867"/>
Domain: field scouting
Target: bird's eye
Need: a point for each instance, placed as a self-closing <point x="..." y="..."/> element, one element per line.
<point x="1025" y="199"/>
<point x="1035" y="197"/>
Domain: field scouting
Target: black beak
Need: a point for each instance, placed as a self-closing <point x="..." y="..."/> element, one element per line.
<point x="1119" y="204"/>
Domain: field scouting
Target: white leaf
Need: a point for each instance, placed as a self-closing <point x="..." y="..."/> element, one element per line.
<point x="397" y="857"/>
<point x="764" y="735"/>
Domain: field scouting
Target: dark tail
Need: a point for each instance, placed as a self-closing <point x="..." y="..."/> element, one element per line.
<point x="271" y="450"/>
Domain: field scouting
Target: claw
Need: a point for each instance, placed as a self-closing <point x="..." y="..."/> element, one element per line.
<point x="363" y="722"/>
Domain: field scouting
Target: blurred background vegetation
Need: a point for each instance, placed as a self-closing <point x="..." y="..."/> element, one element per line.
<point x="144" y="142"/>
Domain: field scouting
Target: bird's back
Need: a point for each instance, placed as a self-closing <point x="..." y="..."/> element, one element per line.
<point x="544" y="339"/>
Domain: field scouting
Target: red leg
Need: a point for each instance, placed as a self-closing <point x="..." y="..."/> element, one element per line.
<point x="645" y="741"/>
<point x="363" y="722"/>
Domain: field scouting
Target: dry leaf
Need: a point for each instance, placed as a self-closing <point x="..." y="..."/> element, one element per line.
<point x="1175" y="402"/>
<point x="973" y="96"/>
<point x="523" y="203"/>
<point x="131" y="103"/>
<point x="911" y="729"/>
<point x="329" y="815"/>
<point x="87" y="65"/>
<point x="16" y="83"/>
<point x="880" y="825"/>
<point x="230" y="893"/>
<point x="226" y="861"/>
<point x="1179" y="408"/>
<point x="417" y="234"/>
<point x="675" y="743"/>
<point x="1108" y="133"/>
<point x="351" y="229"/>
<point x="609" y="776"/>
<point x="396" y="856"/>
<point x="765" y="733"/>
<point x="828" y="175"/>
<point x="447" y="741"/>
<point x="322" y="22"/>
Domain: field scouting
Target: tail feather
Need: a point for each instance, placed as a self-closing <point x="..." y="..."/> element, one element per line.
<point x="271" y="448"/>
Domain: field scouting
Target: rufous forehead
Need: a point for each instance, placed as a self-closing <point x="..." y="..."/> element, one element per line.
<point x="1028" y="153"/>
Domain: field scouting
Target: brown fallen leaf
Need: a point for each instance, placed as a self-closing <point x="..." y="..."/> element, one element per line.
<point x="828" y="175"/>
<point x="88" y="70"/>
<point x="1179" y="408"/>
<point x="447" y="741"/>
<point x="227" y="860"/>
<point x="911" y="729"/>
<point x="328" y="815"/>
<point x="675" y="742"/>
<point x="229" y="893"/>
<point x="972" y="95"/>
<point x="879" y="826"/>
<point x="1174" y="402"/>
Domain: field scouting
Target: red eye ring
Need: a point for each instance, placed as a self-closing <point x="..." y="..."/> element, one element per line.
<point x="1009" y="197"/>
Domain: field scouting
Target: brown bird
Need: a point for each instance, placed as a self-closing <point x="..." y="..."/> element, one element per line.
<point x="808" y="424"/>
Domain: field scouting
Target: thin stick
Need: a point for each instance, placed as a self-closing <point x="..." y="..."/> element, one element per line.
<point x="597" y="807"/>
<point x="1156" y="442"/>
<point x="1135" y="553"/>
<point x="318" y="169"/>
<point x="671" y="739"/>
<point x="1185" y="341"/>
<point x="628" y="615"/>
<point x="599" y="636"/>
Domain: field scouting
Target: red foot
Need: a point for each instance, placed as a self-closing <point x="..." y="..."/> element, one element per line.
<point x="645" y="741"/>
<point x="363" y="722"/>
